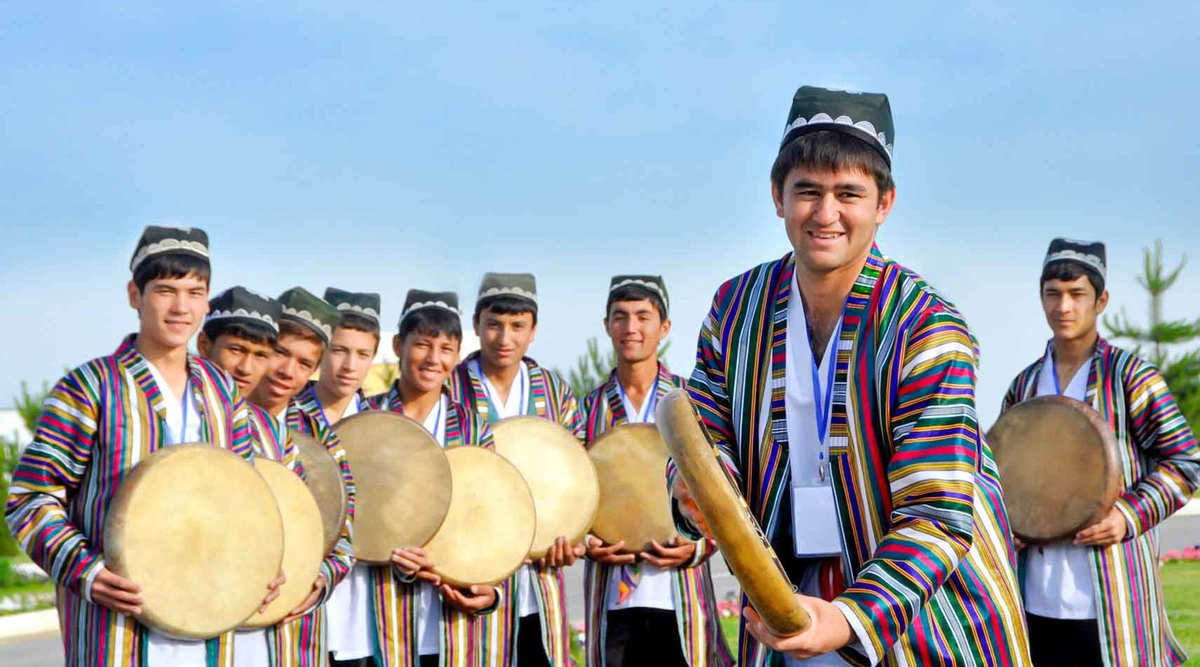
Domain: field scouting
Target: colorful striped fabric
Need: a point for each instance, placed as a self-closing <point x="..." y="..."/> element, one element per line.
<point x="926" y="543"/>
<point x="395" y="601"/>
<point x="310" y="404"/>
<point x="97" y="423"/>
<point x="1160" y="470"/>
<point x="695" y="603"/>
<point x="549" y="398"/>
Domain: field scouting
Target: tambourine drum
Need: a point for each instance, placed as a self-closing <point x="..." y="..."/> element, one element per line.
<point x="554" y="463"/>
<point x="635" y="504"/>
<point x="491" y="523"/>
<point x="324" y="478"/>
<point x="198" y="528"/>
<point x="738" y="535"/>
<point x="402" y="483"/>
<point x="1059" y="467"/>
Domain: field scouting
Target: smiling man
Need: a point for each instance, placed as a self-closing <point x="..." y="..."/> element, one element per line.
<point x="501" y="381"/>
<point x="96" y="425"/>
<point x="840" y="389"/>
<point x="337" y="393"/>
<point x="1097" y="600"/>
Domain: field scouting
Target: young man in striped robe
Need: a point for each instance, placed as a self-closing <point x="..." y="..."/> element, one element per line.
<point x="419" y="621"/>
<point x="656" y="608"/>
<point x="1097" y="599"/>
<point x="97" y="424"/>
<point x="500" y="381"/>
<point x="305" y="326"/>
<point x="335" y="395"/>
<point x="839" y="387"/>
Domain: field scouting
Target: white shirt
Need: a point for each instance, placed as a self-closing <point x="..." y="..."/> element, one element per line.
<point x="1058" y="577"/>
<point x="349" y="608"/>
<point x="183" y="424"/>
<point x="514" y="405"/>
<point x="654" y="590"/>
<point x="429" y="601"/>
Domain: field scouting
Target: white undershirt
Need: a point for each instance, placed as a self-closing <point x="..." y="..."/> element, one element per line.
<point x="349" y="608"/>
<point x="429" y="603"/>
<point x="655" y="588"/>
<point x="515" y="404"/>
<point x="1058" y="577"/>
<point x="161" y="650"/>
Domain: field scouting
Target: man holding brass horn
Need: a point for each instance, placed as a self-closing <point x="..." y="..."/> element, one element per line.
<point x="839" y="388"/>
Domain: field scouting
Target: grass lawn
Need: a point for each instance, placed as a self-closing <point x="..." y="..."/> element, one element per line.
<point x="1181" y="583"/>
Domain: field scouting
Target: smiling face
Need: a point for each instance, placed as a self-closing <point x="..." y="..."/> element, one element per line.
<point x="294" y="360"/>
<point x="831" y="216"/>
<point x="636" y="329"/>
<point x="1072" y="307"/>
<point x="425" y="360"/>
<point x="348" y="361"/>
<point x="170" y="310"/>
<point x="504" y="338"/>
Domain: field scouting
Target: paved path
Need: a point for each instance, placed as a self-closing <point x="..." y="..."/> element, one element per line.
<point x="1176" y="533"/>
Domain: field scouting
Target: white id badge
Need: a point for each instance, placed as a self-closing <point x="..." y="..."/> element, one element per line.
<point x="814" y="522"/>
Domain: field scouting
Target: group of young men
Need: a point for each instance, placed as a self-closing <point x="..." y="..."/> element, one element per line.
<point x="838" y="385"/>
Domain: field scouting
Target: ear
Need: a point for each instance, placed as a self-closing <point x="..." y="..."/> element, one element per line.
<point x="397" y="346"/>
<point x="532" y="334"/>
<point x="777" y="197"/>
<point x="1101" y="302"/>
<point x="203" y="345"/>
<point x="886" y="201"/>
<point x="666" y="328"/>
<point x="135" y="295"/>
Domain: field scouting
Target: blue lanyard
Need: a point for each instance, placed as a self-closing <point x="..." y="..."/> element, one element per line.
<point x="823" y="401"/>
<point x="643" y="415"/>
<point x="183" y="426"/>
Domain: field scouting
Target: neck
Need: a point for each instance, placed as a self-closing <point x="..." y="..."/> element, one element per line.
<point x="418" y="404"/>
<point x="825" y="292"/>
<point x="168" y="360"/>
<point x="1073" y="352"/>
<point x="272" y="408"/>
<point x="637" y="376"/>
<point x="332" y="404"/>
<point x="501" y="377"/>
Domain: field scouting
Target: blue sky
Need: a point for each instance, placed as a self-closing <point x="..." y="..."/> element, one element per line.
<point x="379" y="146"/>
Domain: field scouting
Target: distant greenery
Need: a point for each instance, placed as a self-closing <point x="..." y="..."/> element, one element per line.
<point x="593" y="366"/>
<point x="1181" y="587"/>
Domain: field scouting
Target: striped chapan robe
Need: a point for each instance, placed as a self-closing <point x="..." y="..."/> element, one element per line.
<point x="96" y="424"/>
<point x="926" y="546"/>
<point x="395" y="603"/>
<point x="301" y="643"/>
<point x="696" y="615"/>
<point x="310" y="404"/>
<point x="549" y="398"/>
<point x="1160" y="470"/>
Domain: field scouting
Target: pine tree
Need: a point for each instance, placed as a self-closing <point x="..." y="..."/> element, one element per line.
<point x="1180" y="370"/>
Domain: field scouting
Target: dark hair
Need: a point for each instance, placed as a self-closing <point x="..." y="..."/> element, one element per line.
<point x="635" y="293"/>
<point x="505" y="304"/>
<point x="252" y="331"/>
<point x="292" y="328"/>
<point x="170" y="265"/>
<point x="432" y="322"/>
<point x="835" y="151"/>
<point x="1068" y="271"/>
<point x="356" y="322"/>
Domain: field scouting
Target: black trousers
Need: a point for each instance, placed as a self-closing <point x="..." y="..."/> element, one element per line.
<point x="640" y="637"/>
<point x="1056" y="642"/>
<point x="357" y="662"/>
<point x="531" y="652"/>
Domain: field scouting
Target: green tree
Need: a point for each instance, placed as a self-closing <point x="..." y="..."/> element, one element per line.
<point x="29" y="404"/>
<point x="592" y="367"/>
<point x="1181" y="370"/>
<point x="9" y="448"/>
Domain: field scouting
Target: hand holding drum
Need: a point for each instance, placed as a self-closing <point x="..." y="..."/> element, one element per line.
<point x="724" y="510"/>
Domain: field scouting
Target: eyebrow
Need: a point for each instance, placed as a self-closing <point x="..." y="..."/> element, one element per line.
<point x="852" y="187"/>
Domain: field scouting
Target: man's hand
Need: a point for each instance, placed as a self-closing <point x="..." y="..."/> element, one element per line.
<point x="1106" y="532"/>
<point x="670" y="556"/>
<point x="309" y="602"/>
<point x="688" y="507"/>
<point x="561" y="554"/>
<point x="413" y="561"/>
<point x="272" y="591"/>
<point x="1018" y="543"/>
<point x="609" y="554"/>
<point x="470" y="600"/>
<point x="117" y="592"/>
<point x="829" y="630"/>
